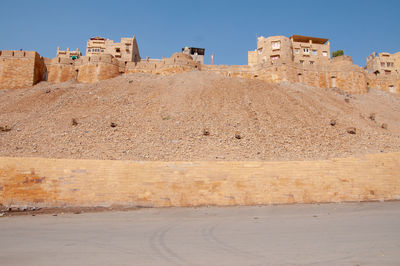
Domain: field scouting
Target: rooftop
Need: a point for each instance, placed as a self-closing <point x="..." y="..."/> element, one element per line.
<point x="97" y="38"/>
<point x="300" y="38"/>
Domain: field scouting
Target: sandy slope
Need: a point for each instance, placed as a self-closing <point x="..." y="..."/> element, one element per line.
<point x="164" y="117"/>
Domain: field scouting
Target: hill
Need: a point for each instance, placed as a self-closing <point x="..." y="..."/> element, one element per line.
<point x="195" y="116"/>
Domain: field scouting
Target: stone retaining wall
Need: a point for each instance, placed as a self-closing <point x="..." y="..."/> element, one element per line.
<point x="65" y="182"/>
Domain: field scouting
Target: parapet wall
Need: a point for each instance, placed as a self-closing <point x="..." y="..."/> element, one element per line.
<point x="66" y="182"/>
<point x="231" y="71"/>
<point x="86" y="69"/>
<point x="61" y="69"/>
<point x="20" y="69"/>
<point x="177" y="63"/>
<point x="341" y="73"/>
<point x="390" y="83"/>
<point x="95" y="68"/>
<point x="144" y="66"/>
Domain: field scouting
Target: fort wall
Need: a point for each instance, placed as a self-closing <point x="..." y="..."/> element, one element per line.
<point x="150" y="66"/>
<point x="96" y="68"/>
<point x="61" y="69"/>
<point x="66" y="182"/>
<point x="20" y="69"/>
<point x="177" y="63"/>
<point x="390" y="83"/>
<point x="86" y="69"/>
<point x="341" y="73"/>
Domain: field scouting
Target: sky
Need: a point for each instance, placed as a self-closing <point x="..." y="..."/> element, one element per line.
<point x="228" y="29"/>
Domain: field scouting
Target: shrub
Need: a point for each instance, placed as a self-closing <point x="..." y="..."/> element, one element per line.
<point x="337" y="53"/>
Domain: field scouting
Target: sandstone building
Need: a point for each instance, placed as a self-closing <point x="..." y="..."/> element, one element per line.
<point x="68" y="54"/>
<point x="126" y="51"/>
<point x="299" y="49"/>
<point x="306" y="60"/>
<point x="383" y="63"/>
<point x="384" y="71"/>
<point x="310" y="50"/>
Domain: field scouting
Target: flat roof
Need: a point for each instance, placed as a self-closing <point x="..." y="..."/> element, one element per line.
<point x="301" y="38"/>
<point x="97" y="38"/>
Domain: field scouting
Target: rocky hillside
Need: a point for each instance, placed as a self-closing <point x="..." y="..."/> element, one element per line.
<point x="195" y="116"/>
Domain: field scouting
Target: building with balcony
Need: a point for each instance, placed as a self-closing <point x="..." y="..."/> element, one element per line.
<point x="296" y="49"/>
<point x="126" y="51"/>
<point x="310" y="50"/>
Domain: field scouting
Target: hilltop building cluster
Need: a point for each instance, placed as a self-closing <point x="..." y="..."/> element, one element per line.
<point x="277" y="59"/>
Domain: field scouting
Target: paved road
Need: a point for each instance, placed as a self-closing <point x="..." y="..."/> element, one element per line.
<point x="328" y="234"/>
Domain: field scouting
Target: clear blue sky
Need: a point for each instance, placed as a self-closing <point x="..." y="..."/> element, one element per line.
<point x="226" y="28"/>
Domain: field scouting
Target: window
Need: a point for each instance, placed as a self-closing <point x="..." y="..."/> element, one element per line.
<point x="314" y="52"/>
<point x="260" y="51"/>
<point x="102" y="50"/>
<point x="324" y="53"/>
<point x="311" y="62"/>
<point x="276" y="45"/>
<point x="306" y="51"/>
<point x="274" y="57"/>
<point x="297" y="51"/>
<point x="89" y="50"/>
<point x="117" y="50"/>
<point x="302" y="62"/>
<point x="382" y="64"/>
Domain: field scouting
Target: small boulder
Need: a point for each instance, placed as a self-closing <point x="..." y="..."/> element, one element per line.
<point x="384" y="126"/>
<point x="351" y="130"/>
<point x="74" y="122"/>
<point x="237" y="135"/>
<point x="5" y="128"/>
<point x="372" y="116"/>
<point x="333" y="122"/>
<point x="206" y="132"/>
<point x="113" y="124"/>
